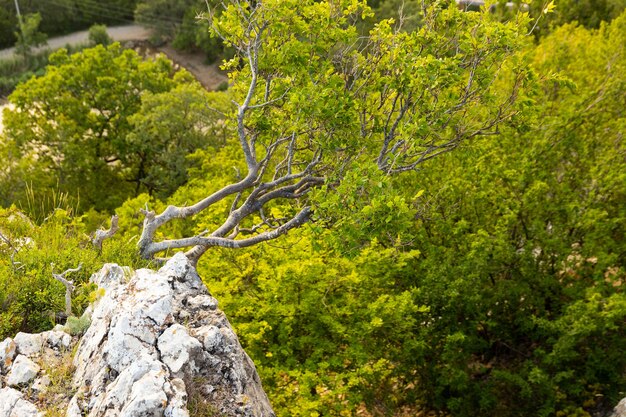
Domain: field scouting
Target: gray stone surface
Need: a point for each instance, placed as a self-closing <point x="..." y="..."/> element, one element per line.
<point x="22" y="372"/>
<point x="28" y="344"/>
<point x="8" y="351"/>
<point x="151" y="334"/>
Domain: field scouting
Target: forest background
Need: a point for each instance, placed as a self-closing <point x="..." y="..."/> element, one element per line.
<point x="488" y="282"/>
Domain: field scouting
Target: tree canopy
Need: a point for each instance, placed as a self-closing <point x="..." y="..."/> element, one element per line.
<point x="86" y="123"/>
<point x="313" y="99"/>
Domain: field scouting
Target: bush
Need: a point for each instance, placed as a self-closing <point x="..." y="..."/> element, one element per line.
<point x="98" y="35"/>
<point x="30" y="297"/>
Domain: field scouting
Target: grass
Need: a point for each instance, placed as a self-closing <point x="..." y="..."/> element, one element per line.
<point x="40" y="204"/>
<point x="197" y="404"/>
<point x="53" y="401"/>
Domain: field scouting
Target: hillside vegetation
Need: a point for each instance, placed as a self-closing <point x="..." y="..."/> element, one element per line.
<point x="475" y="266"/>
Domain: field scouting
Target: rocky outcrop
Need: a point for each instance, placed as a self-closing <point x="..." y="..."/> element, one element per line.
<point x="24" y="362"/>
<point x="157" y="346"/>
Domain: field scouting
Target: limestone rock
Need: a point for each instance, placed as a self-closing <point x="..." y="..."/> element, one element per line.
<point x="620" y="410"/>
<point x="28" y="344"/>
<point x="41" y="384"/>
<point x="22" y="372"/>
<point x="12" y="404"/>
<point x="154" y="338"/>
<point x="8" y="350"/>
<point x="8" y="398"/>
<point x="210" y="336"/>
<point x="57" y="339"/>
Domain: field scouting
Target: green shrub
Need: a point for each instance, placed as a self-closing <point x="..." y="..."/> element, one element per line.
<point x="30" y="297"/>
<point x="77" y="326"/>
<point x="98" y="35"/>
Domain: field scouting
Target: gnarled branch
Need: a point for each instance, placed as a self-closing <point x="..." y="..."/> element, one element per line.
<point x="69" y="286"/>
<point x="408" y="115"/>
<point x="101" y="235"/>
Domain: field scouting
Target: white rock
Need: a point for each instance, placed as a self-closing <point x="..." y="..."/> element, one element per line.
<point x="8" y="398"/>
<point x="13" y="405"/>
<point x="110" y="276"/>
<point x="202" y="301"/>
<point x="153" y="296"/>
<point x="24" y="408"/>
<point x="229" y="339"/>
<point x="620" y="409"/>
<point x="211" y="338"/>
<point x="28" y="344"/>
<point x="57" y="339"/>
<point x="58" y="328"/>
<point x="147" y="397"/>
<point x="22" y="372"/>
<point x="177" y="347"/>
<point x="119" y="391"/>
<point x="41" y="384"/>
<point x="178" y="402"/>
<point x="8" y="350"/>
<point x="133" y="358"/>
<point x="176" y="412"/>
<point x="73" y="410"/>
<point x="176" y="267"/>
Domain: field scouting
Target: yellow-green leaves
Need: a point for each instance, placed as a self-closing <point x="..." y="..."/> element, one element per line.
<point x="549" y="7"/>
<point x="106" y="119"/>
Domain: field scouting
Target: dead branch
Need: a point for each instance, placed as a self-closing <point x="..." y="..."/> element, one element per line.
<point x="101" y="234"/>
<point x="14" y="251"/>
<point x="69" y="286"/>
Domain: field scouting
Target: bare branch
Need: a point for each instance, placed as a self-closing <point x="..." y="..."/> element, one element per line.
<point x="16" y="265"/>
<point x="101" y="235"/>
<point x="211" y="241"/>
<point x="69" y="286"/>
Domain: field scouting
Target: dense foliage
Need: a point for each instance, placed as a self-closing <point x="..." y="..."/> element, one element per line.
<point x="30" y="298"/>
<point x="85" y="123"/>
<point x="490" y="282"/>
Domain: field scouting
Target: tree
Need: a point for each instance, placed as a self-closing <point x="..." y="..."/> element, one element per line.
<point x="28" y="36"/>
<point x="515" y="303"/>
<point x="313" y="101"/>
<point x="85" y="123"/>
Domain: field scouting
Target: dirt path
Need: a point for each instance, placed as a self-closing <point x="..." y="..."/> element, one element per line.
<point x="210" y="76"/>
<point x="117" y="33"/>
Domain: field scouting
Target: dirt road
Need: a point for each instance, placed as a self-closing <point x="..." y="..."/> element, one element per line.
<point x="117" y="33"/>
<point x="209" y="76"/>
